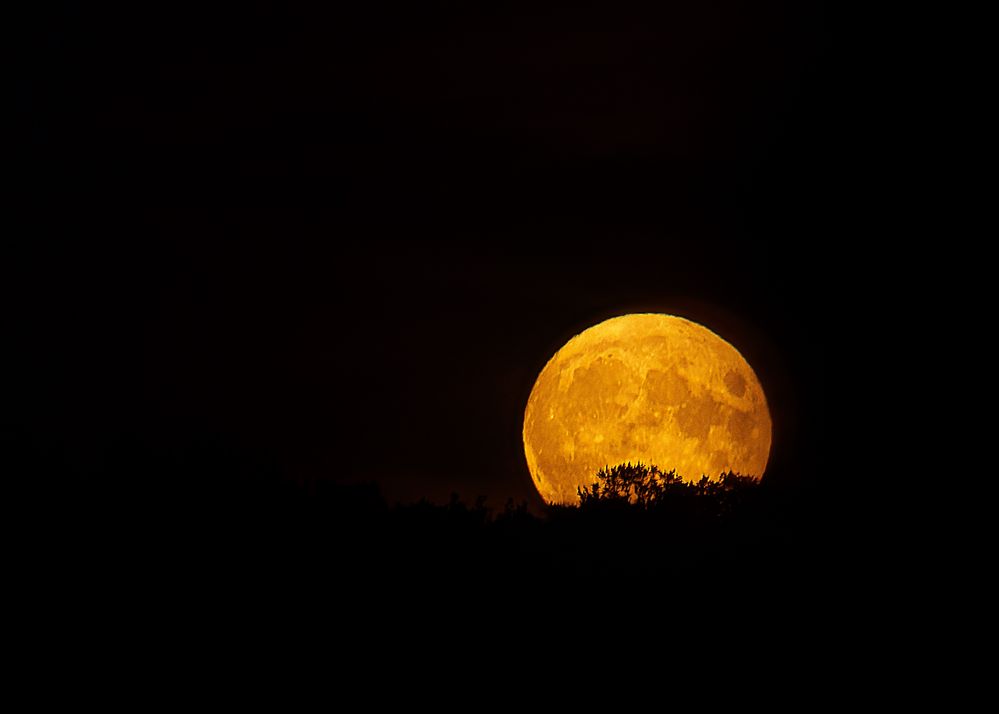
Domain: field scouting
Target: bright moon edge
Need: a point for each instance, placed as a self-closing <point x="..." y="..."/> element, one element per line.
<point x="650" y="388"/>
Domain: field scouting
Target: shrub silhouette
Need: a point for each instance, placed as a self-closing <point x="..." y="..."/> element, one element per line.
<point x="650" y="488"/>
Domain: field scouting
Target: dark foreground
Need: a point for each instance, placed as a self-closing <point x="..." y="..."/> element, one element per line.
<point x="262" y="545"/>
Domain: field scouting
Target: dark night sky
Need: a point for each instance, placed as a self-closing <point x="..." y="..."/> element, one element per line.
<point x="348" y="240"/>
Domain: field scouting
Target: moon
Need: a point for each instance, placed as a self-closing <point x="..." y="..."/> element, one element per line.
<point x="644" y="387"/>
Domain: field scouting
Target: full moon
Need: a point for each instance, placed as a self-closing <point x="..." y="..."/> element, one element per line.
<point x="652" y="388"/>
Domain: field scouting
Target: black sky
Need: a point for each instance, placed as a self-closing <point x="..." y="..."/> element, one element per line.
<point x="346" y="240"/>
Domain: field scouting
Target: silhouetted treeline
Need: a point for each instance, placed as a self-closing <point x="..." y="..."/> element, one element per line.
<point x="215" y="521"/>
<point x="636" y="520"/>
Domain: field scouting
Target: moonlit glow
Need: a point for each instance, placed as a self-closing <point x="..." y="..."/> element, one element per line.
<point x="652" y="388"/>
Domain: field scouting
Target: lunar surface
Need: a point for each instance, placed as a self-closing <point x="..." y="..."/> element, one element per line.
<point x="652" y="388"/>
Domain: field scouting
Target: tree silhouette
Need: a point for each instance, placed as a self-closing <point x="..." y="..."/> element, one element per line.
<point x="651" y="488"/>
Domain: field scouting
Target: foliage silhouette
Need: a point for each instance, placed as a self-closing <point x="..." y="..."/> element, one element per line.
<point x="650" y="488"/>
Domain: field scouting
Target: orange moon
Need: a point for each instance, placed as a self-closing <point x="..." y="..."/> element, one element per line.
<point x="652" y="388"/>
